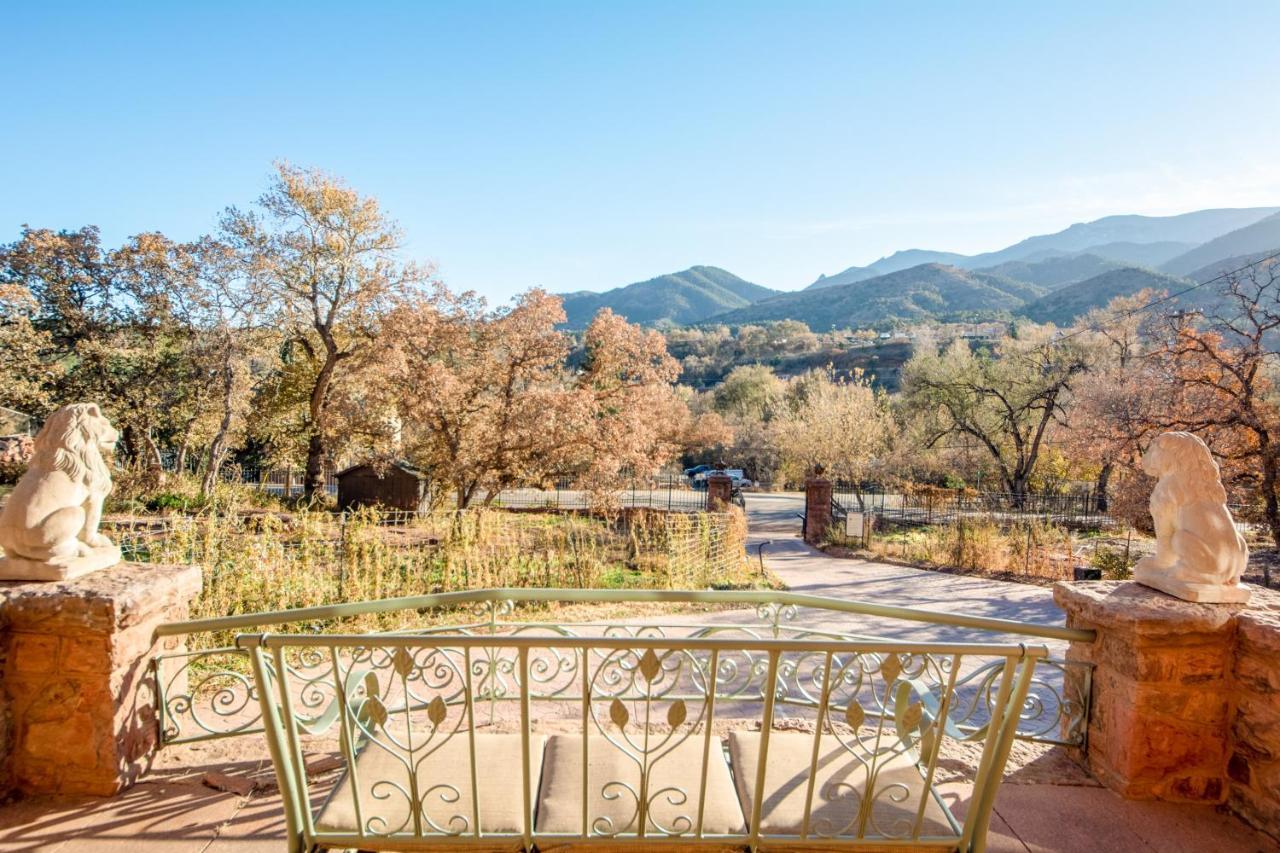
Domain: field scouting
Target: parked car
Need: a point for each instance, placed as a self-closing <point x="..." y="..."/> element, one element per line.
<point x="737" y="475"/>
<point x="696" y="470"/>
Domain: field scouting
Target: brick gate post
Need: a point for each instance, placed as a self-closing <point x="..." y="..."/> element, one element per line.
<point x="817" y="506"/>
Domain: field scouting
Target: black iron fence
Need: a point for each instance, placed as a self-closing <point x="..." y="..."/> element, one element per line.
<point x="939" y="506"/>
<point x="672" y="494"/>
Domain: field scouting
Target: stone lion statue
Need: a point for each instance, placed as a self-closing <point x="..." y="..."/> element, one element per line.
<point x="1199" y="555"/>
<point x="53" y="513"/>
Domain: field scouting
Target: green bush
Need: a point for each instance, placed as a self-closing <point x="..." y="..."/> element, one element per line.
<point x="172" y="501"/>
<point x="1115" y="566"/>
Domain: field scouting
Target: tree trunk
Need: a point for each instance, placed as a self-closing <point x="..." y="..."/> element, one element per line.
<point x="1018" y="487"/>
<point x="1271" y="505"/>
<point x="1104" y="478"/>
<point x="314" y="478"/>
<point x="219" y="444"/>
<point x="155" y="459"/>
<point x="132" y="455"/>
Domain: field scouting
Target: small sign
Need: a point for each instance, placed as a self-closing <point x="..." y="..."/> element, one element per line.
<point x="853" y="525"/>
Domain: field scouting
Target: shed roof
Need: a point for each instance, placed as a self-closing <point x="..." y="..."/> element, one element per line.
<point x="399" y="464"/>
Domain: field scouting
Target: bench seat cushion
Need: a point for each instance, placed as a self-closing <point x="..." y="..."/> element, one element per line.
<point x="835" y="806"/>
<point x="384" y="809"/>
<point x="612" y="810"/>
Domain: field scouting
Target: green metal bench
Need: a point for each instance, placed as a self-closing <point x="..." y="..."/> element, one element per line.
<point x="761" y="735"/>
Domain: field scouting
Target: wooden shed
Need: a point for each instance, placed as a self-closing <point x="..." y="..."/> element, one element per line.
<point x="399" y="486"/>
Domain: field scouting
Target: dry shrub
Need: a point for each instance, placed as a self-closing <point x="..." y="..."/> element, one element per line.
<point x="142" y="490"/>
<point x="1031" y="549"/>
<point x="15" y="453"/>
<point x="1130" y="499"/>
<point x="276" y="561"/>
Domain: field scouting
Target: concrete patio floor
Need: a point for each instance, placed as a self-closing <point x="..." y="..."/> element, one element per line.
<point x="176" y="814"/>
<point x="1044" y="805"/>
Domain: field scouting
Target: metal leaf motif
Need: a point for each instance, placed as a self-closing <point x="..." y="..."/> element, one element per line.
<point x="618" y="713"/>
<point x="403" y="662"/>
<point x="854" y="715"/>
<point x="926" y="743"/>
<point x="437" y="711"/>
<point x="677" y="713"/>
<point x="371" y="686"/>
<point x="912" y="716"/>
<point x="649" y="666"/>
<point x="376" y="711"/>
<point x="891" y="668"/>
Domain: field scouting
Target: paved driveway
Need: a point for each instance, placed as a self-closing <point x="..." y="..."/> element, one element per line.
<point x="774" y="520"/>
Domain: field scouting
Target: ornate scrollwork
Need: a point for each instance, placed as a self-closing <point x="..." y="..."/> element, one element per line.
<point x="1054" y="711"/>
<point x="206" y="694"/>
<point x="775" y="613"/>
<point x="630" y="691"/>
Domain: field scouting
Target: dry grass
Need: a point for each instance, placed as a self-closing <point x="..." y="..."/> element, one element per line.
<point x="277" y="561"/>
<point x="1034" y="550"/>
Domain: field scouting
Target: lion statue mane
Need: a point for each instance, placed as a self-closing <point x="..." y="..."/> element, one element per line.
<point x="54" y="510"/>
<point x="1199" y="554"/>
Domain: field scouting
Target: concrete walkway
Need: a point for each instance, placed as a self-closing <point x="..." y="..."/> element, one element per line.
<point x="773" y="519"/>
<point x="1044" y="804"/>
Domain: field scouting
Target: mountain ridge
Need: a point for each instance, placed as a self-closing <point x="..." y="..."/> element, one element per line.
<point x="917" y="293"/>
<point x="683" y="297"/>
<point x="1261" y="236"/>
<point x="1064" y="305"/>
<point x="1131" y="238"/>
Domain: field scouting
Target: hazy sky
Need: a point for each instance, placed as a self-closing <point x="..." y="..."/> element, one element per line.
<point x="588" y="145"/>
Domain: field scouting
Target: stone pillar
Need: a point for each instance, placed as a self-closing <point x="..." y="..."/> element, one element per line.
<point x="76" y="699"/>
<point x="1163" y="698"/>
<point x="719" y="489"/>
<point x="817" y="506"/>
<point x="1253" y="768"/>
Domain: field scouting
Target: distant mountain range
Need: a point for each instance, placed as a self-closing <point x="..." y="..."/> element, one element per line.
<point x="1058" y="270"/>
<point x="1051" y="277"/>
<point x="1260" y="236"/>
<point x="1063" y="305"/>
<point x="681" y="298"/>
<point x="895" y="262"/>
<point x="919" y="293"/>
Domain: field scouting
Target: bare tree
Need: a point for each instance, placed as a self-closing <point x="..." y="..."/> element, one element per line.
<point x="1005" y="399"/>
<point x="1225" y="364"/>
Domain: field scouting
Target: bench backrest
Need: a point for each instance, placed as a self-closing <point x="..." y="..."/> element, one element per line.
<point x="403" y="698"/>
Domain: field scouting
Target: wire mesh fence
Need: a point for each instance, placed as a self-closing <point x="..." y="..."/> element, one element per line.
<point x="668" y="494"/>
<point x="272" y="561"/>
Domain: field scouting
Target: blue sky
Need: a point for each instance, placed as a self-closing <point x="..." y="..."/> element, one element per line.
<point x="588" y="145"/>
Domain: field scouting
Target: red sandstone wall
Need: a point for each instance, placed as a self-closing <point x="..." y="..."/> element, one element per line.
<point x="77" y="711"/>
<point x="1253" y="768"/>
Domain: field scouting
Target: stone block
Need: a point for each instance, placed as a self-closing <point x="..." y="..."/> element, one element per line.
<point x="74" y="676"/>
<point x="1186" y="696"/>
<point x="90" y="653"/>
<point x="59" y="569"/>
<point x="1128" y="605"/>
<point x="33" y="652"/>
